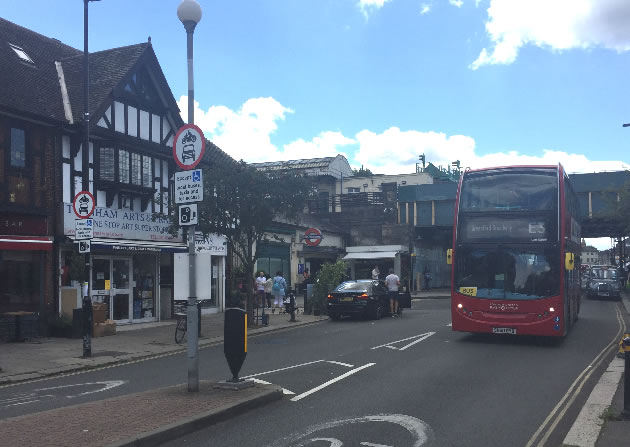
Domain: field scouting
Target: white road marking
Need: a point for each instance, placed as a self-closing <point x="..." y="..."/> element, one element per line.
<point x="264" y="382"/>
<point x="586" y="428"/>
<point x="106" y="385"/>
<point x="449" y="325"/>
<point x="23" y="403"/>
<point x="421" y="433"/>
<point x="330" y="382"/>
<point x="418" y="339"/>
<point x="369" y="444"/>
<point x="282" y="369"/>
<point x="340" y="363"/>
<point x="333" y="442"/>
<point x="576" y="387"/>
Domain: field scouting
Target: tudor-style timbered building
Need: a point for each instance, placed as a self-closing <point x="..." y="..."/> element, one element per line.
<point x="128" y="167"/>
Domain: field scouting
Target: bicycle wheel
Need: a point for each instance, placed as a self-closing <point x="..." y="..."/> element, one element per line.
<point x="180" y="330"/>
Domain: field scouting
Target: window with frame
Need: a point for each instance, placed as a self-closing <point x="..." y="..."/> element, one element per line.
<point x="136" y="170"/>
<point x="18" y="148"/>
<point x="147" y="171"/>
<point x="106" y="155"/>
<point x="123" y="166"/>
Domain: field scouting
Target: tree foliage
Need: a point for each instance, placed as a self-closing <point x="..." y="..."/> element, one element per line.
<point x="329" y="277"/>
<point x="362" y="172"/>
<point x="242" y="203"/>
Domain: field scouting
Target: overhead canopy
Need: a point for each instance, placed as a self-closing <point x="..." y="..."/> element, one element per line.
<point x="370" y="255"/>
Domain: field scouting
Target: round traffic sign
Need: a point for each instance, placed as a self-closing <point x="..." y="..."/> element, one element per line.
<point x="188" y="146"/>
<point x="312" y="237"/>
<point x="83" y="204"/>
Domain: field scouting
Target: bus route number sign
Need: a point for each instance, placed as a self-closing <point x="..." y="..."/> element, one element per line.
<point x="470" y="291"/>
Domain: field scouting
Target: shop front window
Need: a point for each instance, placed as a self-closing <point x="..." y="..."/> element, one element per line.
<point x="144" y="268"/>
<point x="19" y="280"/>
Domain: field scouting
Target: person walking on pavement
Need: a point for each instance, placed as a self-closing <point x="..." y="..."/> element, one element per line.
<point x="268" y="285"/>
<point x="260" y="289"/>
<point x="278" y="290"/>
<point x="392" y="282"/>
<point x="375" y="272"/>
<point x="427" y="278"/>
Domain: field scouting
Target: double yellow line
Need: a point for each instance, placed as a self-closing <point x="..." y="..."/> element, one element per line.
<point x="556" y="415"/>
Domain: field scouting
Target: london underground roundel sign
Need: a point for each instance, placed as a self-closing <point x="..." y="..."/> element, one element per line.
<point x="312" y="237"/>
<point x="188" y="146"/>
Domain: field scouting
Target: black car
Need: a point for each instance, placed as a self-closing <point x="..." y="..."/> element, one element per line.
<point x="604" y="282"/>
<point x="363" y="297"/>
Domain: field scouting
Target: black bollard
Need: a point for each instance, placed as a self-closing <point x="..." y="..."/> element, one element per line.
<point x="292" y="307"/>
<point x="625" y="344"/>
<point x="87" y="326"/>
<point x="235" y="340"/>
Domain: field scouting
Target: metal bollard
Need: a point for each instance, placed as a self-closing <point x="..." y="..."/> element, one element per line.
<point x="87" y="326"/>
<point x="625" y="345"/>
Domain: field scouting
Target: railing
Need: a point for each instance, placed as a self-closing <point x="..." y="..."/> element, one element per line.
<point x="343" y="202"/>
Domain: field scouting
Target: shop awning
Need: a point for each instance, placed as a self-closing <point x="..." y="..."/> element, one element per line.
<point x="370" y="255"/>
<point x="155" y="246"/>
<point x="40" y="243"/>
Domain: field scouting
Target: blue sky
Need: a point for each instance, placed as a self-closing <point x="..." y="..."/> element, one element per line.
<point x="486" y="82"/>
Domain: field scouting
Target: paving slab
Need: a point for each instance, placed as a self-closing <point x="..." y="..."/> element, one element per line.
<point x="141" y="419"/>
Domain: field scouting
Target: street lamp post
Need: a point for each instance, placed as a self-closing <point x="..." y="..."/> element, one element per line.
<point x="85" y="171"/>
<point x="189" y="12"/>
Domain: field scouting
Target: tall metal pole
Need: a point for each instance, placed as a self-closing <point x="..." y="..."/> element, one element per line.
<point x="85" y="175"/>
<point x="192" y="314"/>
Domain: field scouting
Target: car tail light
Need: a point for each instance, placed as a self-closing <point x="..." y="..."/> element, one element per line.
<point x="330" y="297"/>
<point x="363" y="296"/>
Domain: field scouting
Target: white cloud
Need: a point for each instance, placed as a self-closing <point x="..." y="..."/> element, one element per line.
<point x="367" y="6"/>
<point x="425" y="8"/>
<point x="554" y="24"/>
<point x="395" y="152"/>
<point x="457" y="3"/>
<point x="247" y="134"/>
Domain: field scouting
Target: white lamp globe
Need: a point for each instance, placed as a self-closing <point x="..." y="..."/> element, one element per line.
<point x="189" y="11"/>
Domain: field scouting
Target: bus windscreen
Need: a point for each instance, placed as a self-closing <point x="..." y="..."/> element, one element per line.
<point x="531" y="190"/>
<point x="506" y="272"/>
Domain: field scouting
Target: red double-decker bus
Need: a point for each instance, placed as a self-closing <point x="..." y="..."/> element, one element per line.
<point x="516" y="240"/>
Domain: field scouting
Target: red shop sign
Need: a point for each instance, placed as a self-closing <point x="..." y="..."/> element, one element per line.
<point x="23" y="225"/>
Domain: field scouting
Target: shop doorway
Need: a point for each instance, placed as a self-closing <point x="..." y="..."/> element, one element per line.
<point x="126" y="285"/>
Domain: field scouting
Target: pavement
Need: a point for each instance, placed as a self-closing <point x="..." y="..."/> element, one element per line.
<point x="157" y="416"/>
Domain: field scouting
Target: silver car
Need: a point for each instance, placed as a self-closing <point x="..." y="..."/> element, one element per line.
<point x="604" y="282"/>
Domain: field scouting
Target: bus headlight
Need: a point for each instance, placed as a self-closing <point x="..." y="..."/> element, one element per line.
<point x="551" y="309"/>
<point x="459" y="306"/>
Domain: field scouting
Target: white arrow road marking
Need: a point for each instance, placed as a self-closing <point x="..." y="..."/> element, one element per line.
<point x="333" y="442"/>
<point x="264" y="382"/>
<point x="330" y="382"/>
<point x="282" y="369"/>
<point x="106" y="385"/>
<point x="340" y="363"/>
<point x="416" y="338"/>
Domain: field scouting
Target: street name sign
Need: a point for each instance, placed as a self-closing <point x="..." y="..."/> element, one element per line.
<point x="189" y="145"/>
<point x="189" y="186"/>
<point x="83" y="229"/>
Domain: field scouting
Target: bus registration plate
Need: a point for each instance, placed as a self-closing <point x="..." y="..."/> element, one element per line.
<point x="504" y="330"/>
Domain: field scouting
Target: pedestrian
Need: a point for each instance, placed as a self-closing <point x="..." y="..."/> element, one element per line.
<point x="427" y="278"/>
<point x="260" y="289"/>
<point x="278" y="290"/>
<point x="268" y="285"/>
<point x="392" y="282"/>
<point x="375" y="272"/>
